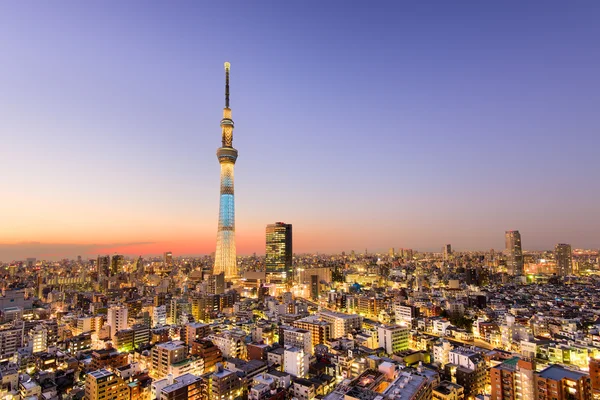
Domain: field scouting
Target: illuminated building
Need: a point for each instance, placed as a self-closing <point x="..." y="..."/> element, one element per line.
<point x="393" y="338"/>
<point x="225" y="384"/>
<point x="165" y="354"/>
<point x="117" y="319"/>
<point x="116" y="264"/>
<point x="564" y="259"/>
<point x="447" y="251"/>
<point x="448" y="391"/>
<point x="225" y="256"/>
<point x="320" y="330"/>
<point x="295" y="362"/>
<point x="103" y="265"/>
<point x="514" y="379"/>
<point x="184" y="387"/>
<point x="514" y="251"/>
<point x="559" y="383"/>
<point x="595" y="377"/>
<point x="297" y="337"/>
<point x="10" y="340"/>
<point x="105" y="385"/>
<point x="341" y="324"/>
<point x="168" y="259"/>
<point x="278" y="260"/>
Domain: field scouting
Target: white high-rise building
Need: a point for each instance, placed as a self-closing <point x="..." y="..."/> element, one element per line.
<point x="393" y="338"/>
<point x="341" y="324"/>
<point x="159" y="315"/>
<point x="295" y="362"/>
<point x="39" y="338"/>
<point x="117" y="319"/>
<point x="296" y="337"/>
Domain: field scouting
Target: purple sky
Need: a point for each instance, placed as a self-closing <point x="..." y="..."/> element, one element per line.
<point x="365" y="126"/>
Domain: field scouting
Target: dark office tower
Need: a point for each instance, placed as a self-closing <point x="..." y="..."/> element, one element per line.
<point x="447" y="250"/>
<point x="564" y="259"/>
<point x="116" y="264"/>
<point x="168" y="259"/>
<point x="139" y="266"/>
<point x="314" y="287"/>
<point x="278" y="261"/>
<point x="514" y="251"/>
<point x="103" y="265"/>
<point x="216" y="283"/>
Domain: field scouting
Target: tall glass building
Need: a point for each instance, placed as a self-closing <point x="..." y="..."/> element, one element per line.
<point x="514" y="252"/>
<point x="278" y="262"/>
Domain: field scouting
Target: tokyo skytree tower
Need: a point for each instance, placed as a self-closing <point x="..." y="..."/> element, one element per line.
<point x="225" y="256"/>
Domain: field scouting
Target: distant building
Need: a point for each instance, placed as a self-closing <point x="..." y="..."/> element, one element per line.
<point x="278" y="260"/>
<point x="168" y="259"/>
<point x="103" y="265"/>
<point x="514" y="252"/>
<point x="564" y="259"/>
<point x="116" y="264"/>
<point x="447" y="251"/>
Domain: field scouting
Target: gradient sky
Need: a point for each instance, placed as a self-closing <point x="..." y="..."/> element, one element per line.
<point x="364" y="124"/>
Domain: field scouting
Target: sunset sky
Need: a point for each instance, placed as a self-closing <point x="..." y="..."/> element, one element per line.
<point x="364" y="124"/>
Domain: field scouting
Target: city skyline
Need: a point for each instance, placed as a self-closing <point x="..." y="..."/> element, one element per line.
<point x="112" y="131"/>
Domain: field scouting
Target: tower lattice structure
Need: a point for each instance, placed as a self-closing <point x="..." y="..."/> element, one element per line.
<point x="225" y="256"/>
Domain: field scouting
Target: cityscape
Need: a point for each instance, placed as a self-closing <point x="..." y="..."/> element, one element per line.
<point x="132" y="318"/>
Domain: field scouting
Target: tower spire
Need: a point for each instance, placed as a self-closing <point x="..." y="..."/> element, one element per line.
<point x="225" y="256"/>
<point x="227" y="67"/>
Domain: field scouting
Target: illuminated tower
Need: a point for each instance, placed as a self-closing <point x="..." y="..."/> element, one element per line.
<point x="514" y="251"/>
<point x="278" y="260"/>
<point x="225" y="257"/>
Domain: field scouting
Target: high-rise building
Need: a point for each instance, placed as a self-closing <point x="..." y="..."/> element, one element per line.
<point x="513" y="379"/>
<point x="560" y="383"/>
<point x="117" y="319"/>
<point x="564" y="259"/>
<point x="184" y="387"/>
<point x="514" y="252"/>
<point x="225" y="256"/>
<point x="393" y="338"/>
<point x="165" y="354"/>
<point x="447" y="250"/>
<point x="105" y="385"/>
<point x="103" y="265"/>
<point x="116" y="264"/>
<point x="467" y="368"/>
<point x="225" y="384"/>
<point x="168" y="259"/>
<point x="341" y="324"/>
<point x="297" y="337"/>
<point x="320" y="330"/>
<point x="278" y="260"/>
<point x="595" y="377"/>
<point x="295" y="362"/>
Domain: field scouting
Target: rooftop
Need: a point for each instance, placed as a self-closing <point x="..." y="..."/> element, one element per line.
<point x="181" y="381"/>
<point x="557" y="373"/>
